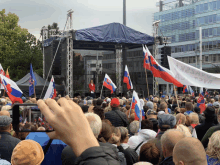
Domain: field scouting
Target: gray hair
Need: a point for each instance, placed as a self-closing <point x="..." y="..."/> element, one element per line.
<point x="124" y="133"/>
<point x="194" y="117"/>
<point x="134" y="126"/>
<point x="95" y="123"/>
<point x="143" y="163"/>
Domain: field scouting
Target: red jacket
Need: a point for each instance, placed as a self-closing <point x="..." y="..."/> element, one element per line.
<point x="92" y="87"/>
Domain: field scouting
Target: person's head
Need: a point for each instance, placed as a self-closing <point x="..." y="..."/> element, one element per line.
<point x="94" y="102"/>
<point x="143" y="163"/>
<point x="5" y="124"/>
<point x="151" y="114"/>
<point x="115" y="102"/>
<point x="95" y="123"/>
<point x="168" y="141"/>
<point x="85" y="108"/>
<point x="155" y="107"/>
<point x="41" y="129"/>
<point x="150" y="105"/>
<point x="4" y="113"/>
<point x="116" y="136"/>
<point x="194" y="118"/>
<point x="213" y="149"/>
<point x="124" y="134"/>
<point x="209" y="114"/>
<point x="188" y="121"/>
<point x="99" y="102"/>
<point x="105" y="133"/>
<point x="166" y="121"/>
<point x="197" y="110"/>
<point x="155" y="100"/>
<point x="184" y="129"/>
<point x="99" y="111"/>
<point x="91" y="81"/>
<point x="180" y="119"/>
<point x="146" y="124"/>
<point x="149" y="153"/>
<point x="189" y="106"/>
<point x="27" y="126"/>
<point x="134" y="127"/>
<point x="189" y="151"/>
<point x="27" y="152"/>
<point x="132" y="117"/>
<point x="163" y="106"/>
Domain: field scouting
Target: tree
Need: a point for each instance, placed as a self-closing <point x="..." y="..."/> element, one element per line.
<point x="49" y="27"/>
<point x="18" y="48"/>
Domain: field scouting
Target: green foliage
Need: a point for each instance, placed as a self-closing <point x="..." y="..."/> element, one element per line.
<point x="18" y="48"/>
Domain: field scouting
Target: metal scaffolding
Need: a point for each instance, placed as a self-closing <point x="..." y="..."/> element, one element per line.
<point x="118" y="68"/>
<point x="69" y="74"/>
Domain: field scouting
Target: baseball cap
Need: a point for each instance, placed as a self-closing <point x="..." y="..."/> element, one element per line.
<point x="216" y="104"/>
<point x="5" y="121"/>
<point x="108" y="100"/>
<point x="166" y="121"/>
<point x="27" y="152"/>
<point x="115" y="102"/>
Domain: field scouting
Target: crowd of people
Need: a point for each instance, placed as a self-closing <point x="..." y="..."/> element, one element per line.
<point x="107" y="131"/>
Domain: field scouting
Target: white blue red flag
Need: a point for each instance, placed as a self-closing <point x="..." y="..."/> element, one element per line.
<point x="51" y="90"/>
<point x="136" y="105"/>
<point x="146" y="58"/>
<point x="127" y="78"/>
<point x="207" y="93"/>
<point x="201" y="101"/>
<point x="109" y="84"/>
<point x="185" y="90"/>
<point x="32" y="81"/>
<point x="13" y="91"/>
<point x="161" y="72"/>
<point x="191" y="91"/>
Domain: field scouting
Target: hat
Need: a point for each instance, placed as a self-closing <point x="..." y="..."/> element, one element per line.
<point x="5" y="121"/>
<point x="150" y="105"/>
<point x="209" y="111"/>
<point x="151" y="112"/>
<point x="115" y="102"/>
<point x="27" y="152"/>
<point x="216" y="104"/>
<point x="108" y="100"/>
<point x="167" y="121"/>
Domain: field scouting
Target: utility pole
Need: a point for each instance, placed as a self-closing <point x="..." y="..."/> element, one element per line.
<point x="97" y="71"/>
<point x="124" y="12"/>
<point x="200" y="57"/>
<point x="44" y="37"/>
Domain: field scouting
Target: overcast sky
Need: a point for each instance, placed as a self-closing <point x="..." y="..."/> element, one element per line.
<point x="34" y="14"/>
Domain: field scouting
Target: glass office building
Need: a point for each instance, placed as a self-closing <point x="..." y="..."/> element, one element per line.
<point x="181" y="20"/>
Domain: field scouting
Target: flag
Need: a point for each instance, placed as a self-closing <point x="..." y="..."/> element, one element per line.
<point x="127" y="79"/>
<point x="7" y="74"/>
<point x="161" y="72"/>
<point x="51" y="90"/>
<point x="191" y="91"/>
<point x="201" y="101"/>
<point x="40" y="119"/>
<point x="185" y="89"/>
<point x="32" y="81"/>
<point x="2" y="70"/>
<point x="146" y="64"/>
<point x="207" y="93"/>
<point x="13" y="91"/>
<point x="109" y="84"/>
<point x="136" y="105"/>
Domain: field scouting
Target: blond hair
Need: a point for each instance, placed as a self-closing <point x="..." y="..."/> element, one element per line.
<point x="194" y="118"/>
<point x="213" y="149"/>
<point x="184" y="129"/>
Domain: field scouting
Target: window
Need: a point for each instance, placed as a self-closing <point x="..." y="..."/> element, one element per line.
<point x="210" y="45"/>
<point x="210" y="32"/>
<point x="201" y="6"/>
<point x="210" y="19"/>
<point x="206" y="58"/>
<point x="206" y="33"/>
<point x="214" y="44"/>
<point x="218" y="43"/>
<point x="215" y="31"/>
<point x="214" y="58"/>
<point x="214" y="18"/>
<point x="206" y="19"/>
<point x="214" y="3"/>
<point x="210" y="6"/>
<point x="218" y="4"/>
<point x="197" y="9"/>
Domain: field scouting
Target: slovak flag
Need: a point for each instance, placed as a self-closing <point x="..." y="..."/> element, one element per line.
<point x="191" y="91"/>
<point x="109" y="84"/>
<point x="136" y="105"/>
<point x="201" y="102"/>
<point x="207" y="93"/>
<point x="127" y="79"/>
<point x="185" y="89"/>
<point x="13" y="91"/>
<point x="146" y="53"/>
<point x="40" y="119"/>
<point x="51" y="91"/>
<point x="161" y="72"/>
<point x="2" y="70"/>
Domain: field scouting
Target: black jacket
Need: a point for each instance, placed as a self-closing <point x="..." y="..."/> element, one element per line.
<point x="155" y="123"/>
<point x="69" y="158"/>
<point x="167" y="161"/>
<point x="202" y="128"/>
<point x="7" y="145"/>
<point x="115" y="119"/>
<point x="130" y="155"/>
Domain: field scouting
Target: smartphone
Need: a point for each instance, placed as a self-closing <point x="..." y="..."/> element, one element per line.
<point x="28" y="113"/>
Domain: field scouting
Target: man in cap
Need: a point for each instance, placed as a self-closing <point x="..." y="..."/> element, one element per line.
<point x="7" y="142"/>
<point x="210" y="118"/>
<point x="152" y="116"/>
<point x="115" y="116"/>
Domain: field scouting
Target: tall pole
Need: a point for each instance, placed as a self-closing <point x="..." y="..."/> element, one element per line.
<point x="97" y="72"/>
<point x="200" y="57"/>
<point x="124" y="12"/>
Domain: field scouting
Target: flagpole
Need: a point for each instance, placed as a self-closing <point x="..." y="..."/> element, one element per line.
<point x="101" y="92"/>
<point x="147" y="83"/>
<point x="176" y="95"/>
<point x="34" y="90"/>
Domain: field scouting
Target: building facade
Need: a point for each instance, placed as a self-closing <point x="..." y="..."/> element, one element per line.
<point x="181" y="20"/>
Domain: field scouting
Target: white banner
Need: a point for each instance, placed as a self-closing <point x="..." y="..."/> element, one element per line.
<point x="189" y="75"/>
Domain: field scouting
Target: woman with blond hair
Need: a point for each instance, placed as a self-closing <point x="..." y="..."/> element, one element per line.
<point x="213" y="149"/>
<point x="184" y="129"/>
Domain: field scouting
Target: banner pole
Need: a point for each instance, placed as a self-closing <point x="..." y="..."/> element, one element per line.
<point x="101" y="92"/>
<point x="34" y="92"/>
<point x="176" y="95"/>
<point x="147" y="83"/>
